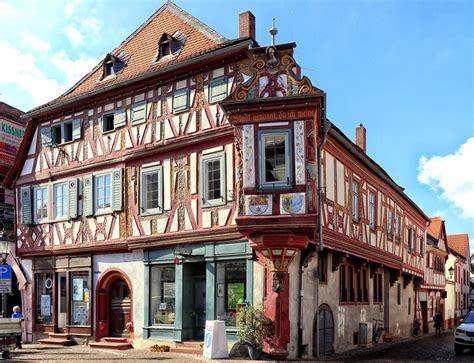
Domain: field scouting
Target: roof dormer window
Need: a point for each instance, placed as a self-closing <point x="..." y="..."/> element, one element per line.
<point x="170" y="45"/>
<point x="114" y="65"/>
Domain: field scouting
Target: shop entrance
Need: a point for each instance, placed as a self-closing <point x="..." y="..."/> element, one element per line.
<point x="119" y="309"/>
<point x="198" y="271"/>
<point x="424" y="315"/>
<point x="62" y="301"/>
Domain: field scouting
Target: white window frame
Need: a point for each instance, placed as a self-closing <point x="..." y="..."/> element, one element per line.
<point x="97" y="210"/>
<point x="262" y="135"/>
<point x="65" y="216"/>
<point x="216" y="82"/>
<point x="103" y="117"/>
<point x="372" y="209"/>
<point x="180" y="92"/>
<point x="355" y="200"/>
<point x="143" y="211"/>
<point x="43" y="219"/>
<point x="205" y="159"/>
<point x="63" y="133"/>
<point x="135" y="108"/>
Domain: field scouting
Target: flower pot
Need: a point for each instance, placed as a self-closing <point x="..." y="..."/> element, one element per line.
<point x="255" y="353"/>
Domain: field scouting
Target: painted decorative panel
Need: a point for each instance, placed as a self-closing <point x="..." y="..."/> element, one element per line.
<point x="258" y="205"/>
<point x="249" y="159"/>
<point x="299" y="153"/>
<point x="292" y="203"/>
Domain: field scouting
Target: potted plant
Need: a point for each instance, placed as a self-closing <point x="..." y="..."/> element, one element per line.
<point x="253" y="329"/>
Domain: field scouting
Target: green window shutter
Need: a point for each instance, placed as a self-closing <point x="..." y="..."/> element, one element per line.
<point x="76" y="129"/>
<point x="117" y="190"/>
<point x="88" y="196"/>
<point x="120" y="118"/>
<point x="46" y="136"/>
<point x="73" y="198"/>
<point x="139" y="113"/>
<point x="26" y="207"/>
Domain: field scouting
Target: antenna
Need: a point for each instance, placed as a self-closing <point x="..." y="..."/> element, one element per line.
<point x="273" y="31"/>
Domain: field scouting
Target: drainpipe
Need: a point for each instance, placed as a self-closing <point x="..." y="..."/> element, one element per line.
<point x="325" y="126"/>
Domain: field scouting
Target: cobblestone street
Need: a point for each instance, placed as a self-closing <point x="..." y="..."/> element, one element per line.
<point x="427" y="348"/>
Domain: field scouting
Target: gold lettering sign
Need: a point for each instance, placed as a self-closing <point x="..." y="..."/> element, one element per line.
<point x="284" y="115"/>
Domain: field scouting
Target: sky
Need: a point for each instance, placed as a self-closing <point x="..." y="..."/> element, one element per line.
<point x="404" y="69"/>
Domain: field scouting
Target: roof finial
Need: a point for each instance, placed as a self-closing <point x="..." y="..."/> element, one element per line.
<point x="273" y="31"/>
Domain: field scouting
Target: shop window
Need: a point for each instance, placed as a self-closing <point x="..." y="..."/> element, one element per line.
<point x="355" y="201"/>
<point x="213" y="185"/>
<point x="231" y="286"/>
<point x="44" y="298"/>
<point x="218" y="89"/>
<point x="80" y="298"/>
<point x="181" y="100"/>
<point x="102" y="192"/>
<point x="275" y="158"/>
<point x="353" y="284"/>
<point x="61" y="200"/>
<point x="162" y="294"/>
<point x="362" y="285"/>
<point x="378" y="291"/>
<point x="151" y="191"/>
<point x="40" y="204"/>
<point x="372" y="210"/>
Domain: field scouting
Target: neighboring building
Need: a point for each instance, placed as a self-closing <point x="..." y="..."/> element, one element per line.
<point x="11" y="133"/>
<point x="148" y="204"/>
<point x="432" y="295"/>
<point x="460" y="257"/>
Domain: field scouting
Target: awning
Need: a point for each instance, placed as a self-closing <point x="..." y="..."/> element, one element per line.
<point x="22" y="281"/>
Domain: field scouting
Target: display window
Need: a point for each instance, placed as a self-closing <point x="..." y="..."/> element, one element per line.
<point x="231" y="287"/>
<point x="80" y="298"/>
<point x="44" y="298"/>
<point x="162" y="304"/>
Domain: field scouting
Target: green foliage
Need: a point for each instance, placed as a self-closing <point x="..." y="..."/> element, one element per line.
<point x="253" y="327"/>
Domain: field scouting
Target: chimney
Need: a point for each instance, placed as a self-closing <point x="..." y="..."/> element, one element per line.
<point x="360" y="137"/>
<point x="247" y="25"/>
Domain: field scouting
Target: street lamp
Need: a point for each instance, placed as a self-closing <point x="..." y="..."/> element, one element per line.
<point x="451" y="271"/>
<point x="5" y="246"/>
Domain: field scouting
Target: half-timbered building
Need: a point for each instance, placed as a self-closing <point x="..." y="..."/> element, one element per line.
<point x="432" y="295"/>
<point x="179" y="179"/>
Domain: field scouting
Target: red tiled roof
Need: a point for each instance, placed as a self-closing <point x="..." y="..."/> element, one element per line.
<point x="11" y="113"/>
<point x="459" y="243"/>
<point x="435" y="227"/>
<point x="141" y="48"/>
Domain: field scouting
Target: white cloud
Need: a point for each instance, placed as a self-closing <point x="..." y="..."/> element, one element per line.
<point x="69" y="9"/>
<point x="6" y="10"/>
<point x="73" y="70"/>
<point x="19" y="68"/>
<point x="452" y="177"/>
<point x="90" y="23"/>
<point x="74" y="35"/>
<point x="31" y="41"/>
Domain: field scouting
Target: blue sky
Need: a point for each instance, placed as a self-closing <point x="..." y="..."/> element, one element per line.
<point x="405" y="69"/>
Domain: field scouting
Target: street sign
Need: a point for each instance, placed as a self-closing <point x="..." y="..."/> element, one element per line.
<point x="5" y="272"/>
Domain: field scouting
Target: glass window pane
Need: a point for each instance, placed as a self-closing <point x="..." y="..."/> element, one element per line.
<point x="275" y="158"/>
<point x="162" y="295"/>
<point x="80" y="298"/>
<point x="44" y="298"/>
<point x="231" y="289"/>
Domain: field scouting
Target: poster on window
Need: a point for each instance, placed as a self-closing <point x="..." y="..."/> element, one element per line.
<point x="77" y="289"/>
<point x="235" y="294"/>
<point x="168" y="289"/>
<point x="46" y="305"/>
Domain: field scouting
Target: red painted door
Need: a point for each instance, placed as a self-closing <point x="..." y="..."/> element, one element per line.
<point x="119" y="309"/>
<point x="424" y="315"/>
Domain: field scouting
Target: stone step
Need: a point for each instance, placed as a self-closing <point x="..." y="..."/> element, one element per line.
<point x="57" y="341"/>
<point x="111" y="345"/>
<point x="60" y="335"/>
<point x="193" y="344"/>
<point x="114" y="340"/>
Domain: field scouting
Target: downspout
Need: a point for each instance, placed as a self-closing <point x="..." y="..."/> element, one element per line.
<point x="313" y="248"/>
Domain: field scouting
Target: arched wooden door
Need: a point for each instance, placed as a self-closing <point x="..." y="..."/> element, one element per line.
<point x="119" y="309"/>
<point x="326" y="331"/>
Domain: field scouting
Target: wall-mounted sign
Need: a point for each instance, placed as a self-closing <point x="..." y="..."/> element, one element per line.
<point x="46" y="305"/>
<point x="10" y="137"/>
<point x="283" y="115"/>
